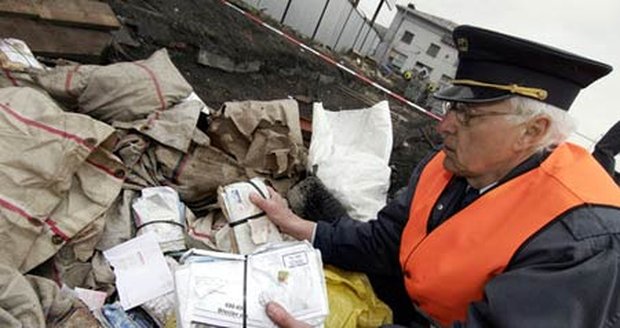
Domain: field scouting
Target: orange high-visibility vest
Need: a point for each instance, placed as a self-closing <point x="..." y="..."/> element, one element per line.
<point x="448" y="268"/>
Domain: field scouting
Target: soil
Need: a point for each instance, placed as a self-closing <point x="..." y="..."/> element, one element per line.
<point x="185" y="27"/>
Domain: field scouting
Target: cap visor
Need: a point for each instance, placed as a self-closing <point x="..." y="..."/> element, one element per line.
<point x="471" y="94"/>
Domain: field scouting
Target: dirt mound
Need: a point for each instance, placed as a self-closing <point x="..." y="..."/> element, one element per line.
<point x="277" y="68"/>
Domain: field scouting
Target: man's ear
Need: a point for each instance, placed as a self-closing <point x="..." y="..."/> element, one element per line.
<point x="534" y="131"/>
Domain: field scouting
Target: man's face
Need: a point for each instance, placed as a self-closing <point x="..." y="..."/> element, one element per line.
<point x="479" y="139"/>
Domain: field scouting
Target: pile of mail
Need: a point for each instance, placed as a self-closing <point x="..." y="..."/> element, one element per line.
<point x="231" y="290"/>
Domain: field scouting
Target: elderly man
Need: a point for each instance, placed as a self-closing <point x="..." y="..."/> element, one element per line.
<point x="507" y="225"/>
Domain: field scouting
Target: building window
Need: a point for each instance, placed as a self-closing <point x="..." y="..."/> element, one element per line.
<point x="397" y="59"/>
<point x="433" y="50"/>
<point x="422" y="69"/>
<point x="407" y="37"/>
<point x="445" y="80"/>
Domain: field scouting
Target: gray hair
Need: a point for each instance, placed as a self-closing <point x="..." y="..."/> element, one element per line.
<point x="562" y="124"/>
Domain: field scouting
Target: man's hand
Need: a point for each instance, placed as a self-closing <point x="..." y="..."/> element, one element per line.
<point x="281" y="318"/>
<point x="278" y="212"/>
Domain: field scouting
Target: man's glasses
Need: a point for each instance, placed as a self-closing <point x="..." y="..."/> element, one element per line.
<point x="465" y="112"/>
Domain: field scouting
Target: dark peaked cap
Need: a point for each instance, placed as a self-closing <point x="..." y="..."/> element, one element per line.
<point x="495" y="66"/>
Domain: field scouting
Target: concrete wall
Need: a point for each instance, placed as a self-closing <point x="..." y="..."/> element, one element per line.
<point x="303" y="16"/>
<point x="342" y="27"/>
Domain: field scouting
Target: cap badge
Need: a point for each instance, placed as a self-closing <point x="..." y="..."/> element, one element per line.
<point x="462" y="44"/>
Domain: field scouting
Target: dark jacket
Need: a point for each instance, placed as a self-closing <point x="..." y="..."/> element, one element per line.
<point x="606" y="149"/>
<point x="566" y="275"/>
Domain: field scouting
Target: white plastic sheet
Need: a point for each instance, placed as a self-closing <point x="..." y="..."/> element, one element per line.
<point x="350" y="151"/>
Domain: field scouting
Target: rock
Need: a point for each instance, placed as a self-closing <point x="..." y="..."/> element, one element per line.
<point x="123" y="36"/>
<point x="303" y="99"/>
<point x="326" y="79"/>
<point x="226" y="64"/>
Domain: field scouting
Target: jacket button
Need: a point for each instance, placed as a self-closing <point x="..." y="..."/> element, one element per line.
<point x="57" y="240"/>
<point x="119" y="173"/>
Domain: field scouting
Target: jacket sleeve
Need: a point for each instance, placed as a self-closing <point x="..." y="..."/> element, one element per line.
<point x="566" y="276"/>
<point x="608" y="147"/>
<point x="371" y="247"/>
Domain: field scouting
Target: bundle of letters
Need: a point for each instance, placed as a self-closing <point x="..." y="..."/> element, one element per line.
<point x="231" y="290"/>
<point x="251" y="227"/>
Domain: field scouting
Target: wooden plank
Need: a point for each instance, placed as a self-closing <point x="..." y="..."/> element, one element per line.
<point x="48" y="39"/>
<point x="86" y="13"/>
<point x="21" y="7"/>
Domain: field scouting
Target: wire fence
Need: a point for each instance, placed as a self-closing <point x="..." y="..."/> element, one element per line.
<point x="336" y="24"/>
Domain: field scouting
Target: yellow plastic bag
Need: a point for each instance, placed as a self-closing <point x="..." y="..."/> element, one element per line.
<point x="352" y="302"/>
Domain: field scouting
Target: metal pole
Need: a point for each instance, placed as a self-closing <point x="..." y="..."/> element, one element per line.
<point x="391" y="41"/>
<point x="372" y="22"/>
<point x="373" y="40"/>
<point x="288" y="4"/>
<point x="346" y="21"/>
<point x="358" y="32"/>
<point x="320" y="19"/>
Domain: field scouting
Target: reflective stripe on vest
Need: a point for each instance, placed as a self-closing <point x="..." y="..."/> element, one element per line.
<point x="447" y="269"/>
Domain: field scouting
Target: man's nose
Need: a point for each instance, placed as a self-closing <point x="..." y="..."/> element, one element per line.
<point x="448" y="124"/>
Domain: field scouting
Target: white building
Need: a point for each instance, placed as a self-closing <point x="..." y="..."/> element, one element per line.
<point x="416" y="41"/>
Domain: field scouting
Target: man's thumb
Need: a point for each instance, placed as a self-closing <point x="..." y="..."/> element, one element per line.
<point x="280" y="316"/>
<point x="256" y="199"/>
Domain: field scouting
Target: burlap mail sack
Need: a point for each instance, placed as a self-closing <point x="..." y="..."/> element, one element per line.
<point x="16" y="79"/>
<point x="197" y="174"/>
<point x="173" y="127"/>
<point x="54" y="177"/>
<point x="65" y="83"/>
<point x="131" y="90"/>
<point x="194" y="174"/>
<point x="77" y="264"/>
<point x="32" y="301"/>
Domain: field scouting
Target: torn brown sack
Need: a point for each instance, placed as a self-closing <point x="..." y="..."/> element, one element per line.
<point x="263" y="136"/>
